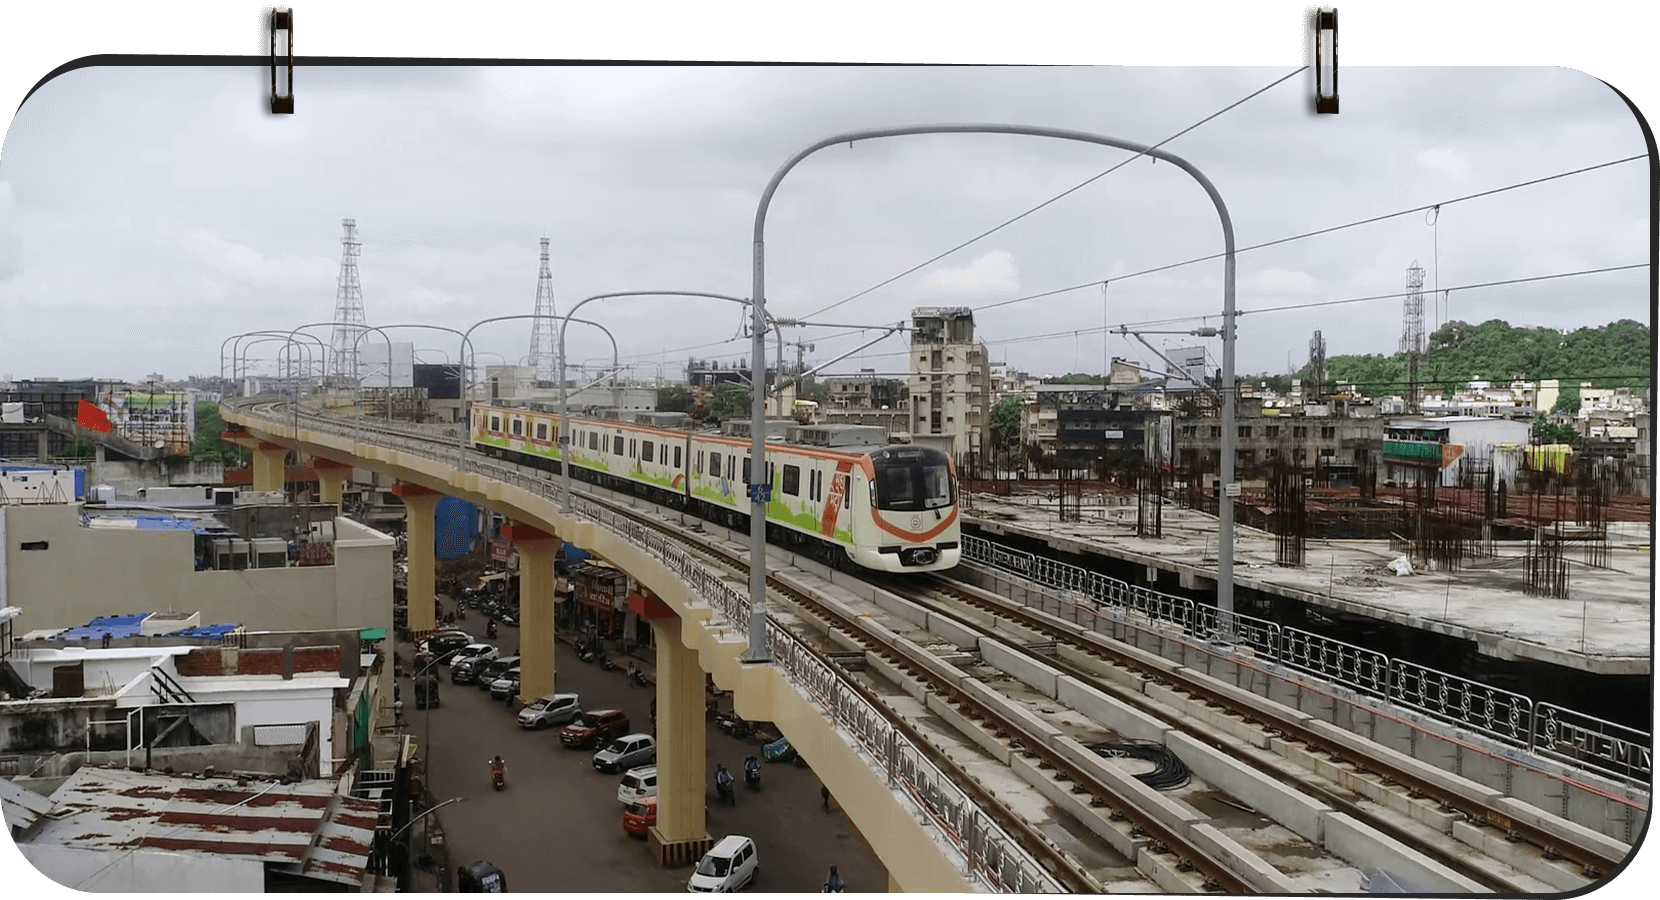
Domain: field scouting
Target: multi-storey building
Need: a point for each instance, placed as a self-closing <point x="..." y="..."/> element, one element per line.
<point x="1343" y="449"/>
<point x="950" y="389"/>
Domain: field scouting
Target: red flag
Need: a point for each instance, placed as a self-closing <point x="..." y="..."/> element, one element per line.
<point x="91" y="417"/>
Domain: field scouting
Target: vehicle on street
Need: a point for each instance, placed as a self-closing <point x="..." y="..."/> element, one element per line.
<point x="552" y="709"/>
<point x="441" y="642"/>
<point x="594" y="727"/>
<point x="494" y="669"/>
<point x="639" y="817"/>
<point x="426" y="692"/>
<point x="729" y="865"/>
<point x="466" y="671"/>
<point x="481" y="878"/>
<point x="507" y="686"/>
<point x="479" y="651"/>
<point x="637" y="784"/>
<point x="626" y="752"/>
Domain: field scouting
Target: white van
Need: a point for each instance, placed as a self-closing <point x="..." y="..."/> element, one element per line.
<point x="728" y="866"/>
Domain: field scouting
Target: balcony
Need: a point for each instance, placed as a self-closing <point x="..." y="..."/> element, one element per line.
<point x="1415" y="452"/>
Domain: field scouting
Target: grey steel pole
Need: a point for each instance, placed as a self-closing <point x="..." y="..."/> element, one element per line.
<point x="1224" y="583"/>
<point x="759" y="485"/>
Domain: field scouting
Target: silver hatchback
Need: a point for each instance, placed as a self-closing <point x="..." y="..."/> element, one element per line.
<point x="626" y="752"/>
<point x="553" y="709"/>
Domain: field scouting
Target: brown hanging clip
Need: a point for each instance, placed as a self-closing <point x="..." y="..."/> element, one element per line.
<point x="1325" y="33"/>
<point x="282" y="21"/>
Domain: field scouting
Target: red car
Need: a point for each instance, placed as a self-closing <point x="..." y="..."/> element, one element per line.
<point x="638" y="817"/>
<point x="594" y="727"/>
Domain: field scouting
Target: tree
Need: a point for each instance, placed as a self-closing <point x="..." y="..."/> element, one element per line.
<point x="1548" y="433"/>
<point x="1005" y="421"/>
<point x="731" y="401"/>
<point x="209" y="442"/>
<point x="1567" y="400"/>
<point x="674" y="399"/>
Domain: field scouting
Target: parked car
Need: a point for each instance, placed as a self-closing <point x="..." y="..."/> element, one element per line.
<point x="728" y="866"/>
<point x="626" y="752"/>
<point x="465" y="670"/>
<point x="595" y="727"/>
<point x="494" y="669"/>
<point x="478" y="651"/>
<point x="637" y="784"/>
<point x="639" y="817"/>
<point x="507" y="686"/>
<point x="442" y="642"/>
<point x="553" y="709"/>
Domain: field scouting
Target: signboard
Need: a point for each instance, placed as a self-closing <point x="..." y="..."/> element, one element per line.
<point x="500" y="550"/>
<point x="1232" y="489"/>
<point x="1113" y="434"/>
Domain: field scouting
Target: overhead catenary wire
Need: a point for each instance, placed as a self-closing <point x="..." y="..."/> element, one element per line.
<point x="1085" y="183"/>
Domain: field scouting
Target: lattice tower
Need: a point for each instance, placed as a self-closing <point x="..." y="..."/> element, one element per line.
<point x="1316" y="367"/>
<point x="348" y="307"/>
<point x="1412" y="332"/>
<point x="544" y="337"/>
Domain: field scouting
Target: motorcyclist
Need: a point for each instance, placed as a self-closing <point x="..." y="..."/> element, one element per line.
<point x="498" y="768"/>
<point x="752" y="768"/>
<point x="723" y="782"/>
<point x="834" y="884"/>
<point x="490" y="629"/>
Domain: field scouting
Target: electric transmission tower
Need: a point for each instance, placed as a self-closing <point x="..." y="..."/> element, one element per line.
<point x="348" y="307"/>
<point x="544" y="337"/>
<point x="1412" y="334"/>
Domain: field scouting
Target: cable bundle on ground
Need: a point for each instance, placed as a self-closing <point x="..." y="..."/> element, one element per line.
<point x="1171" y="772"/>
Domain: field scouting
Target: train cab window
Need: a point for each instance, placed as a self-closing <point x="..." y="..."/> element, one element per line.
<point x="646" y="451"/>
<point x="616" y="446"/>
<point x="677" y="457"/>
<point x="714" y="465"/>
<point x="792" y="480"/>
<point x="912" y="480"/>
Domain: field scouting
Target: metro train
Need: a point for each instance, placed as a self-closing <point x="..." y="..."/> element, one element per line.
<point x="891" y="508"/>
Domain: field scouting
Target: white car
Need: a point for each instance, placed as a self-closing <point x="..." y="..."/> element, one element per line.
<point x="553" y="709"/>
<point x="506" y="686"/>
<point x="637" y="785"/>
<point x="728" y="866"/>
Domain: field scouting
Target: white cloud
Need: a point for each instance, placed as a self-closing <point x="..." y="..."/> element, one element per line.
<point x="991" y="277"/>
<point x="1284" y="282"/>
<point x="250" y="266"/>
<point x="1443" y="159"/>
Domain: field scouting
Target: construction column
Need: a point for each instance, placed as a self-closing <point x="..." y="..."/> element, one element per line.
<point x="421" y="503"/>
<point x="331" y="478"/>
<point x="681" y="834"/>
<point x="536" y="585"/>
<point x="269" y="471"/>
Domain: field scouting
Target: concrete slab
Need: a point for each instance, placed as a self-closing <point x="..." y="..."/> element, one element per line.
<point x="1369" y="848"/>
<point x="1602" y="628"/>
<point x="1298" y="812"/>
<point x="1039" y="676"/>
<point x="1131" y="723"/>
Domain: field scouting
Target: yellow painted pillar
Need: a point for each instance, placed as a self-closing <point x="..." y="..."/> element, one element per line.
<point x="331" y="479"/>
<point x="421" y="503"/>
<point x="893" y="886"/>
<point x="269" y="471"/>
<point x="536" y="551"/>
<point x="681" y="833"/>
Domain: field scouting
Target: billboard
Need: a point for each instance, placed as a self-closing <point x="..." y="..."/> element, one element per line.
<point x="375" y="371"/>
<point x="1189" y="373"/>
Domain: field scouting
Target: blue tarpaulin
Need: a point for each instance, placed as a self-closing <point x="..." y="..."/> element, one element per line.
<point x="455" y="526"/>
<point x="115" y="626"/>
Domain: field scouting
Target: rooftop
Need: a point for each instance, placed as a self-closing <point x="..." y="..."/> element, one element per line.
<point x="304" y="828"/>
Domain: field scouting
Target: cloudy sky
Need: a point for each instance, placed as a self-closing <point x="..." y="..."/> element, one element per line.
<point x="146" y="214"/>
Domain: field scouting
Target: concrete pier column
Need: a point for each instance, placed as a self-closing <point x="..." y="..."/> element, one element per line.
<point x="41" y="453"/>
<point x="536" y="551"/>
<point x="421" y="503"/>
<point x="681" y="834"/>
<point x="893" y="886"/>
<point x="269" y="471"/>
<point x="331" y="479"/>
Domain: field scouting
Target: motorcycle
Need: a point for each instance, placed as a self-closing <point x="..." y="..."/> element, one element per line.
<point x="637" y="677"/>
<point x="606" y="664"/>
<point x="733" y="725"/>
<point x="491" y="629"/>
<point x="752" y="775"/>
<point x="723" y="789"/>
<point x="585" y="655"/>
<point x="498" y="777"/>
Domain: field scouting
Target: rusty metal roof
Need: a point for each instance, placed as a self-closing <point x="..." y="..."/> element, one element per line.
<point x="303" y="828"/>
<point x="22" y="806"/>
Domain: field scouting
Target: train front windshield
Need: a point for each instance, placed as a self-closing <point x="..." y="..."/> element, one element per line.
<point x="910" y="480"/>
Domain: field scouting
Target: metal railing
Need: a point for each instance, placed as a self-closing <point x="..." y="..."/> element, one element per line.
<point x="992" y="854"/>
<point x="1541" y="728"/>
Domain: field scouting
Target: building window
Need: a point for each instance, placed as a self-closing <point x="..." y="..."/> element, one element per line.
<point x="1215" y="431"/>
<point x="1244" y="431"/>
<point x="1272" y="431"/>
<point x="32" y="545"/>
<point x="792" y="480"/>
<point x="1299" y="431"/>
<point x="1272" y="453"/>
<point x="1190" y="430"/>
<point x="1300" y="455"/>
<point x="1328" y="431"/>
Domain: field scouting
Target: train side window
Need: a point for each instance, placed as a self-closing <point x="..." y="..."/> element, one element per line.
<point x="495" y="424"/>
<point x="646" y="451"/>
<point x="616" y="445"/>
<point x="631" y="448"/>
<point x="732" y="467"/>
<point x="746" y="470"/>
<point x="714" y="465"/>
<point x="518" y="427"/>
<point x="677" y="456"/>
<point x="593" y="440"/>
<point x="846" y="489"/>
<point x="541" y="431"/>
<point x="792" y="480"/>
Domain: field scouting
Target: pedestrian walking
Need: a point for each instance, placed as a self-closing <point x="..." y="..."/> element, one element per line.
<point x="824" y="794"/>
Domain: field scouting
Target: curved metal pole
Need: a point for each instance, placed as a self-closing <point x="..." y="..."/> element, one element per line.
<point x="757" y="381"/>
<point x="283" y="361"/>
<point x="237" y="348"/>
<point x="757" y="538"/>
<point x="325" y="374"/>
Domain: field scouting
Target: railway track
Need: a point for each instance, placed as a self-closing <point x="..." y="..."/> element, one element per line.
<point x="1536" y="846"/>
<point x="1201" y="867"/>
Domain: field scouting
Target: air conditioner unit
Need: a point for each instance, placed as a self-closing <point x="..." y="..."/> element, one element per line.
<point x="239" y="554"/>
<point x="269" y="553"/>
<point x="322" y="532"/>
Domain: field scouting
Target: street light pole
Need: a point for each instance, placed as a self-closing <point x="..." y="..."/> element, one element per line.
<point x="1224" y="583"/>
